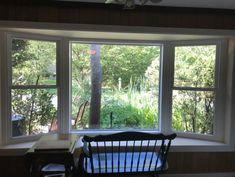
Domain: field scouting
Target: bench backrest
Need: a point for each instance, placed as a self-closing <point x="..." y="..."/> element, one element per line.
<point x="126" y="152"/>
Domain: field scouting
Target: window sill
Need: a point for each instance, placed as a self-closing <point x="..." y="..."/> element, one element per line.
<point x="16" y="149"/>
<point x="178" y="145"/>
<point x="196" y="145"/>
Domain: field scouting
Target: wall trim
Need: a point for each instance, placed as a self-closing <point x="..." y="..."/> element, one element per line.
<point x="8" y="24"/>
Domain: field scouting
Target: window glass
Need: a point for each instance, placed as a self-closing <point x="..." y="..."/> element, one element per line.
<point x="115" y="86"/>
<point x="193" y="91"/>
<point x="195" y="66"/>
<point x="33" y="89"/>
<point x="33" y="111"/>
<point x="33" y="62"/>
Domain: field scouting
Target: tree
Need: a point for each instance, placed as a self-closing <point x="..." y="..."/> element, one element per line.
<point x="31" y="62"/>
<point x="123" y="61"/>
<point x="118" y="61"/>
<point x="96" y="80"/>
<point x="193" y="110"/>
<point x="81" y="79"/>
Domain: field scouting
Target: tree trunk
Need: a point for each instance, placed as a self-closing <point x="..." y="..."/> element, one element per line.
<point x="96" y="79"/>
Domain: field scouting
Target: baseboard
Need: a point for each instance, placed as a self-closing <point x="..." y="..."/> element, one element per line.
<point x="230" y="174"/>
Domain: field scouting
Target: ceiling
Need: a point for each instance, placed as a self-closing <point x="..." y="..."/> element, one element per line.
<point x="218" y="4"/>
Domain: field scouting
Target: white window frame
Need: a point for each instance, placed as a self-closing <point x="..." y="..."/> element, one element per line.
<point x="166" y="86"/>
<point x="114" y="42"/>
<point x="219" y="87"/>
<point x="2" y="52"/>
<point x="7" y="81"/>
<point x="64" y="84"/>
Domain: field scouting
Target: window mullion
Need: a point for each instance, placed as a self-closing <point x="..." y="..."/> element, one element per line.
<point x="221" y="85"/>
<point x="2" y="52"/>
<point x="63" y="89"/>
<point x="34" y="87"/>
<point x="12" y="136"/>
<point x="166" y="83"/>
<point x="215" y="89"/>
<point x="194" y="88"/>
<point x="6" y="83"/>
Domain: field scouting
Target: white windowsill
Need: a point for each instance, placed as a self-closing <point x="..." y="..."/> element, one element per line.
<point x="15" y="149"/>
<point x="178" y="145"/>
<point x="196" y="145"/>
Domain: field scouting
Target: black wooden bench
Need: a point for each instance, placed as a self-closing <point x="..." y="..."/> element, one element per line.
<point x="126" y="152"/>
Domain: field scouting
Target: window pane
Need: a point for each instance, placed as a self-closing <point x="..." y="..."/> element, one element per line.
<point x="125" y="79"/>
<point x="195" y="66"/>
<point x="33" y="111"/>
<point x="193" y="111"/>
<point x="33" y="62"/>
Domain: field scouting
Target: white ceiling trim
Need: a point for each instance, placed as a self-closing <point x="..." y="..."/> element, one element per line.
<point x="113" y="32"/>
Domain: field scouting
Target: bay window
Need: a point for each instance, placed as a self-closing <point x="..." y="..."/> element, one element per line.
<point x="113" y="86"/>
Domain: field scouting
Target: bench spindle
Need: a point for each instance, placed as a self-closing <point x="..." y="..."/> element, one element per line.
<point x="160" y="151"/>
<point x="91" y="158"/>
<point x="146" y="153"/>
<point x="138" y="161"/>
<point x="125" y="158"/>
<point x="166" y="153"/>
<point x="112" y="154"/>
<point x="153" y="151"/>
<point x="98" y="152"/>
<point x="119" y="142"/>
<point x="132" y="158"/>
<point x="106" y="158"/>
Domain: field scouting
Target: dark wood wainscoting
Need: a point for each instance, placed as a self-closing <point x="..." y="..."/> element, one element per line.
<point x="179" y="162"/>
<point x="84" y="13"/>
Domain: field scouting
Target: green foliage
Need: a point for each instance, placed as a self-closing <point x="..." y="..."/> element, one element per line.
<point x="193" y="110"/>
<point x="81" y="81"/>
<point x="126" y="116"/>
<point x="34" y="63"/>
<point x="195" y="66"/>
<point x="134" y="105"/>
<point x="19" y="54"/>
<point x="152" y="74"/>
<point x="122" y="61"/>
<point x="35" y="107"/>
<point x="118" y="61"/>
<point x="132" y="109"/>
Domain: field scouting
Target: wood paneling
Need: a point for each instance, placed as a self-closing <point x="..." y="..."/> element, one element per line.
<point x="179" y="162"/>
<point x="12" y="166"/>
<point x="201" y="162"/>
<point x="84" y="13"/>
